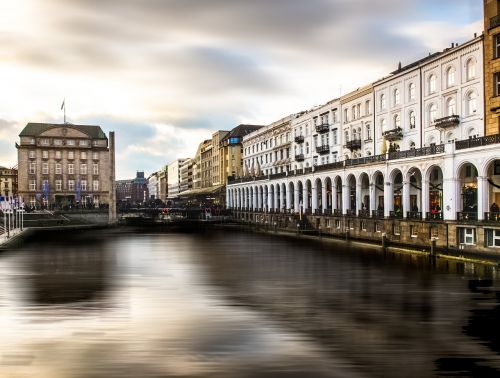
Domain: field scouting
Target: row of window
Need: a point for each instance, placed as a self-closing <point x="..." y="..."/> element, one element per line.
<point x="67" y="142"/>
<point x="272" y="142"/>
<point x="431" y="84"/>
<point x="58" y="155"/>
<point x="72" y="185"/>
<point x="356" y="112"/>
<point x="58" y="168"/>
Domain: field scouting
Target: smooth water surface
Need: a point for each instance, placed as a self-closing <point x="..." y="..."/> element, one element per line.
<point x="232" y="304"/>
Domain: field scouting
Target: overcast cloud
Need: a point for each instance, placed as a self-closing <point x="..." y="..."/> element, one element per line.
<point x="165" y="74"/>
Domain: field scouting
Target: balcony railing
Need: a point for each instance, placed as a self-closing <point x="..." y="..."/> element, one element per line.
<point x="350" y="212"/>
<point x="354" y="144"/>
<point x="318" y="212"/>
<point x="299" y="139"/>
<point x="337" y="212"/>
<point x="328" y="212"/>
<point x="477" y="142"/>
<point x="416" y="152"/>
<point x="323" y="128"/>
<point x="445" y="122"/>
<point x="494" y="21"/>
<point x="366" y="160"/>
<point x="434" y="216"/>
<point x="299" y="157"/>
<point x="492" y="217"/>
<point x="414" y="215"/>
<point x="394" y="134"/>
<point x="467" y="216"/>
<point x="377" y="213"/>
<point x="327" y="167"/>
<point x="323" y="149"/>
<point x="364" y="213"/>
<point x="395" y="214"/>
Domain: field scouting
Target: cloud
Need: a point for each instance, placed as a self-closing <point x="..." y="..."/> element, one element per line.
<point x="159" y="71"/>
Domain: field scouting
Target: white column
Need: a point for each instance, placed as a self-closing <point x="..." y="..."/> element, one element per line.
<point x="406" y="198"/>
<point x="324" y="200"/>
<point x="346" y="200"/>
<point x="424" y="208"/>
<point x="288" y="198"/>
<point x="276" y="203"/>
<point x="373" y="198"/>
<point x="314" y="198"/>
<point x="451" y="198"/>
<point x="254" y="202"/>
<point x="305" y="197"/>
<point x="228" y="198"/>
<point x="388" y="198"/>
<point x="259" y="198"/>
<point x="358" y="197"/>
<point x="296" y="199"/>
<point x="334" y="198"/>
<point x="482" y="197"/>
<point x="269" y="199"/>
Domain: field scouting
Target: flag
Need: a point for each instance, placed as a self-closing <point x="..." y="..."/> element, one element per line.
<point x="62" y="105"/>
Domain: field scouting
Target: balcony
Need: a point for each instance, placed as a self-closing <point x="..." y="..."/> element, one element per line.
<point x="364" y="213"/>
<point x="323" y="128"/>
<point x="378" y="214"/>
<point x="354" y="144"/>
<point x="394" y="134"/>
<point x="417" y="215"/>
<point x="299" y="139"/>
<point x="477" y="142"/>
<point x="337" y="212"/>
<point x="299" y="157"/>
<point x="467" y="216"/>
<point x="350" y="212"/>
<point x="434" y="216"/>
<point x="395" y="214"/>
<point x="492" y="217"/>
<point x="323" y="149"/>
<point x="447" y="122"/>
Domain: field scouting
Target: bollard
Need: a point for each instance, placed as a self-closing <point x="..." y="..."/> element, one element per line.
<point x="433" y="246"/>
<point x="384" y="241"/>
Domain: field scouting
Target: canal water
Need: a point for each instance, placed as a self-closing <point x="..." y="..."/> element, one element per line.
<point x="232" y="304"/>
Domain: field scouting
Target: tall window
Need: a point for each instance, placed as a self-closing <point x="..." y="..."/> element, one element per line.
<point x="496" y="45"/>
<point x="32" y="185"/>
<point x="58" y="185"/>
<point x="411" y="91"/>
<point x="346" y="136"/>
<point x="397" y="121"/>
<point x="83" y="185"/>
<point x="367" y="107"/>
<point x="432" y="113"/>
<point x="471" y="103"/>
<point x="496" y="83"/>
<point x="58" y="168"/>
<point x="346" y="115"/>
<point x="353" y="112"/>
<point x="335" y="141"/>
<point x="432" y="83"/>
<point x="83" y="169"/>
<point x="450" y="107"/>
<point x="383" y="124"/>
<point x="471" y="69"/>
<point x="71" y="184"/>
<point x="450" y="77"/>
<point x="45" y="168"/>
<point x="95" y="185"/>
<point x="412" y="119"/>
<point x="382" y="101"/>
<point x="45" y="154"/>
<point x="71" y="169"/>
<point x="71" y="154"/>
<point x="396" y="97"/>
<point x="368" y="132"/>
<point x="32" y="168"/>
<point x="334" y="115"/>
<point x="95" y="168"/>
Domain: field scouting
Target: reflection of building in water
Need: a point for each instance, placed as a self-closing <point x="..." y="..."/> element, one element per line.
<point x="389" y="313"/>
<point x="67" y="275"/>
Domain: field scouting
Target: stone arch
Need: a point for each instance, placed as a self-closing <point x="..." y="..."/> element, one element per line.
<point x="468" y="195"/>
<point x="364" y="185"/>
<point x="338" y="200"/>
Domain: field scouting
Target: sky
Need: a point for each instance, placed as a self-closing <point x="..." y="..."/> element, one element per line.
<point x="166" y="74"/>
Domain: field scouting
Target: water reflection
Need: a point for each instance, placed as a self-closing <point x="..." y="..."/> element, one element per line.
<point x="229" y="304"/>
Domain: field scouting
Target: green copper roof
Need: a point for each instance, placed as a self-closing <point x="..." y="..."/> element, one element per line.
<point x="35" y="129"/>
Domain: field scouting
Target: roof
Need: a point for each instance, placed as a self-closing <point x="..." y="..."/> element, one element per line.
<point x="35" y="129"/>
<point x="240" y="131"/>
<point x="201" y="191"/>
